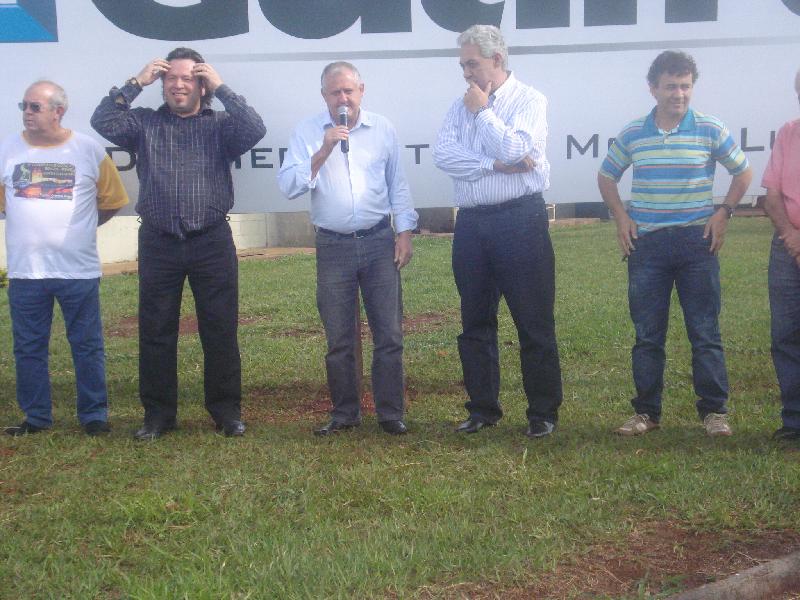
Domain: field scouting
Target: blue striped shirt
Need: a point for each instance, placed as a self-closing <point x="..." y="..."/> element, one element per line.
<point x="515" y="126"/>
<point x="673" y="171"/>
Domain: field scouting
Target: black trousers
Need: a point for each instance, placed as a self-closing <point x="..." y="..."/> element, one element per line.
<point x="209" y="261"/>
<point x="506" y="250"/>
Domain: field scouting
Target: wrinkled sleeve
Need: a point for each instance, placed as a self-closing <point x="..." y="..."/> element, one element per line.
<point x="452" y="156"/>
<point x="526" y="135"/>
<point x="617" y="160"/>
<point x="773" y="173"/>
<point x="729" y="154"/>
<point x="114" y="119"/>
<point x="405" y="217"/>
<point x="111" y="193"/>
<point x="294" y="177"/>
<point x="242" y="127"/>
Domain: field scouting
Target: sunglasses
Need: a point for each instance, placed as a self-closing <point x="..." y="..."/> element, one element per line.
<point x="34" y="106"/>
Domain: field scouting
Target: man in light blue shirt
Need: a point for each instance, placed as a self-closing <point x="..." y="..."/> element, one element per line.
<point x="348" y="159"/>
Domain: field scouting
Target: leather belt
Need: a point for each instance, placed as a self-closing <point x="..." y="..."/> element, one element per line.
<point x="382" y="224"/>
<point x="513" y="203"/>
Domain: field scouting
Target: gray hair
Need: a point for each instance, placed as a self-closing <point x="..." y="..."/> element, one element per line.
<point x="336" y="67"/>
<point x="57" y="98"/>
<point x="488" y="39"/>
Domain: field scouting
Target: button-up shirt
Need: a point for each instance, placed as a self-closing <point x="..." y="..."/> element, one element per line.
<point x="513" y="127"/>
<point x="783" y="169"/>
<point x="183" y="163"/>
<point x="352" y="190"/>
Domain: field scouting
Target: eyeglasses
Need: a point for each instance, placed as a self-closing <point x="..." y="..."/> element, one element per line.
<point x="34" y="106"/>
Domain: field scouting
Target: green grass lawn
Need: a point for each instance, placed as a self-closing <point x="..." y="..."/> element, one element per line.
<point x="282" y="514"/>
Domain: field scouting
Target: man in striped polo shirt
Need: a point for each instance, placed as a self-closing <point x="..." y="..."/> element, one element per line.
<point x="670" y="235"/>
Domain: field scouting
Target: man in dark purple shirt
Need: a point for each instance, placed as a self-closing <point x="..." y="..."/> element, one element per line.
<point x="184" y="152"/>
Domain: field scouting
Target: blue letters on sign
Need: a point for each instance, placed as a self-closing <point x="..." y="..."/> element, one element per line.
<point x="28" y="21"/>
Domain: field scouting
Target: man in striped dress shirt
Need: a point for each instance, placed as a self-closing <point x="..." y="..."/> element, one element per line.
<point x="184" y="151"/>
<point x="492" y="144"/>
<point x="671" y="234"/>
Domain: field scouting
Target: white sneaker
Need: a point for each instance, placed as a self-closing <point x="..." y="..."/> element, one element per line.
<point x="637" y="425"/>
<point x="717" y="424"/>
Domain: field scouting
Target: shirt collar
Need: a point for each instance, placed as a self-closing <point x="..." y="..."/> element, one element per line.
<point x="688" y="123"/>
<point x="364" y="119"/>
<point x="164" y="108"/>
<point x="506" y="88"/>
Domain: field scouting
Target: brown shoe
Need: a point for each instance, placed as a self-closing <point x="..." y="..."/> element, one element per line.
<point x="637" y="425"/>
<point x="716" y="424"/>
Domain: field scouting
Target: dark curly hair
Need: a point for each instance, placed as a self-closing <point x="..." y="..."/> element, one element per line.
<point x="674" y="63"/>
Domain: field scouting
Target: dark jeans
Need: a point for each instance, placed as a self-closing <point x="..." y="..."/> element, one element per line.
<point x="344" y="266"/>
<point x="209" y="261"/>
<point x="784" y="304"/>
<point x="507" y="251"/>
<point x="31" y="304"/>
<point x="676" y="256"/>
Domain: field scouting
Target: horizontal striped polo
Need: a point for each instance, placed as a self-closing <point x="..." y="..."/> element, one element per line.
<point x="673" y="171"/>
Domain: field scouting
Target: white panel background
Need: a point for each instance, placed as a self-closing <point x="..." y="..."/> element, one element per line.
<point x="594" y="78"/>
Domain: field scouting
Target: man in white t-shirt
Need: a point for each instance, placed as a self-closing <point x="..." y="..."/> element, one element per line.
<point x="56" y="187"/>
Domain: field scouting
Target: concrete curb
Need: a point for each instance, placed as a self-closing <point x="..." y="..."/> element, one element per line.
<point x="762" y="582"/>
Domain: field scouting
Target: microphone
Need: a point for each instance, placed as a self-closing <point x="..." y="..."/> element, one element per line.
<point x="343" y="121"/>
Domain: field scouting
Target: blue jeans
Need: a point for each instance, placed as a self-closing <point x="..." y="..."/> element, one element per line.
<point x="344" y="266"/>
<point x="506" y="250"/>
<point x="208" y="261"/>
<point x="784" y="305"/>
<point x="676" y="256"/>
<point x="31" y="305"/>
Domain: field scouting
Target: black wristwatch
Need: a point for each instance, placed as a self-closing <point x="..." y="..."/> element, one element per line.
<point x="134" y="82"/>
<point x="727" y="208"/>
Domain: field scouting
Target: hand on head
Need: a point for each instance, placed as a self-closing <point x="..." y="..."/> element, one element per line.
<point x="152" y="71"/>
<point x="208" y="75"/>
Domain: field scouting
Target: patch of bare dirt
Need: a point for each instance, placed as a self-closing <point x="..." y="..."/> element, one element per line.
<point x="426" y="322"/>
<point x="296" y="401"/>
<point x="302" y="331"/>
<point x="659" y="557"/>
<point x="129" y="326"/>
<point x="418" y="389"/>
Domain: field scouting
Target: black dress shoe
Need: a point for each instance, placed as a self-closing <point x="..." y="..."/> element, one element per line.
<point x="394" y="427"/>
<point x="334" y="427"/>
<point x="23" y="428"/>
<point x="150" y="431"/>
<point x="539" y="428"/>
<point x="232" y="428"/>
<point x="786" y="434"/>
<point x="94" y="428"/>
<point x="473" y="425"/>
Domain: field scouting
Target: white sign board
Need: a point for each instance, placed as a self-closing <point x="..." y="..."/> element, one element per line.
<point x="589" y="57"/>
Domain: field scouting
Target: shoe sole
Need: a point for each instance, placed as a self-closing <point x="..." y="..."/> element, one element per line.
<point x="473" y="431"/>
<point x="633" y="432"/>
<point x="326" y="432"/>
<point x="534" y="436"/>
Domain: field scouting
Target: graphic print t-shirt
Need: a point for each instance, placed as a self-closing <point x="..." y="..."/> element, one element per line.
<point x="51" y="196"/>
